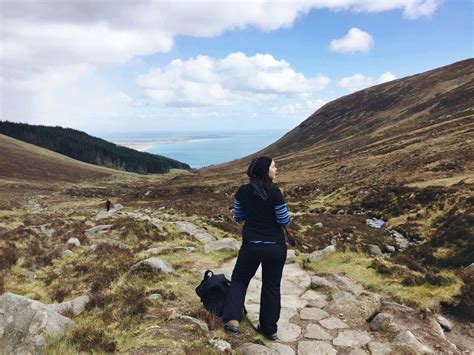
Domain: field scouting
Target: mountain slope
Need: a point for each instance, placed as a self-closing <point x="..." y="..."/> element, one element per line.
<point x="402" y="151"/>
<point x="24" y="161"/>
<point x="83" y="147"/>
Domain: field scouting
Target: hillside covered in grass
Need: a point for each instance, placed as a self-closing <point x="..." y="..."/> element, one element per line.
<point x="81" y="146"/>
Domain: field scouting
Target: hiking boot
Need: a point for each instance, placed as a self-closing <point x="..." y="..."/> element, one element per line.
<point x="232" y="326"/>
<point x="271" y="337"/>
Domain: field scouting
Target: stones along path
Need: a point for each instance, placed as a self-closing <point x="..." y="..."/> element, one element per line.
<point x="311" y="322"/>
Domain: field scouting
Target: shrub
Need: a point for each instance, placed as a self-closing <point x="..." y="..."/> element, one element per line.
<point x="438" y="279"/>
<point x="90" y="334"/>
<point x="381" y="267"/>
<point x="413" y="280"/>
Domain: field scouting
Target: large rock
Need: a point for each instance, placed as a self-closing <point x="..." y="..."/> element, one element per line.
<point x="220" y="344"/>
<point x="321" y="282"/>
<point x="153" y="264"/>
<point x="74" y="242"/>
<point x="76" y="305"/>
<point x="352" y="338"/>
<point x="444" y="323"/>
<point x="375" y="250"/>
<point x="25" y="324"/>
<point x="222" y="244"/>
<point x="99" y="229"/>
<point x="406" y="339"/>
<point x="315" y="347"/>
<point x="320" y="253"/>
<point x="197" y="232"/>
<point x="346" y="284"/>
<point x="381" y="322"/>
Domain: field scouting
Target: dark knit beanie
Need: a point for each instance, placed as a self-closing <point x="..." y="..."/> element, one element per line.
<point x="257" y="171"/>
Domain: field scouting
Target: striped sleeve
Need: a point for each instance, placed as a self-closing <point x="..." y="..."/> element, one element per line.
<point x="281" y="211"/>
<point x="239" y="214"/>
<point x="282" y="216"/>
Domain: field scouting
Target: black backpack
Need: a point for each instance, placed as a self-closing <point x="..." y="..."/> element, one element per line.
<point x="213" y="291"/>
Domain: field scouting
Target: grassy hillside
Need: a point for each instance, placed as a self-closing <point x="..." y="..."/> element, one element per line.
<point x="83" y="147"/>
<point x="401" y="150"/>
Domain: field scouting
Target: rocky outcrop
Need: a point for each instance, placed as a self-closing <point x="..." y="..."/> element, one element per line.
<point x="25" y="324"/>
<point x="320" y="253"/>
<point x="154" y="265"/>
<point x="76" y="305"/>
<point x="222" y="244"/>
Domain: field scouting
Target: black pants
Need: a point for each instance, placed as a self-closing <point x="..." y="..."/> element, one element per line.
<point x="272" y="257"/>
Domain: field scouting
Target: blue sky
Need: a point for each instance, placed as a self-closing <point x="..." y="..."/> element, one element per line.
<point x="117" y="67"/>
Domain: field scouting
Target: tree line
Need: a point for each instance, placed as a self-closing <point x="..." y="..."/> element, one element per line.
<point x="81" y="146"/>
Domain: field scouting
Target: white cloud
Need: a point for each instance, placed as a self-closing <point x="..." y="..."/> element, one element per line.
<point x="385" y="77"/>
<point x="359" y="81"/>
<point x="354" y="41"/>
<point x="41" y="36"/>
<point x="205" y="80"/>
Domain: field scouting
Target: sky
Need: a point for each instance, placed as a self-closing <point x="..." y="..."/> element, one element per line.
<point x="151" y="65"/>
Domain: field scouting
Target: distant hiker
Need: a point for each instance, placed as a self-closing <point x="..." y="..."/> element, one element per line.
<point x="261" y="205"/>
<point x="107" y="205"/>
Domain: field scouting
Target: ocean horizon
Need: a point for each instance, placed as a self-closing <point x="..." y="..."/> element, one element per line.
<point x="199" y="148"/>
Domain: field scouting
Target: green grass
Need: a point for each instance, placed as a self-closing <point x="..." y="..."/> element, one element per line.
<point x="356" y="267"/>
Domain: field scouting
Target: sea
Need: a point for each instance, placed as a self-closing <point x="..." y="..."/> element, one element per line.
<point x="198" y="148"/>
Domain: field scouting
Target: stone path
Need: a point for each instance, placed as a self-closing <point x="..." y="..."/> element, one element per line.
<point x="312" y="322"/>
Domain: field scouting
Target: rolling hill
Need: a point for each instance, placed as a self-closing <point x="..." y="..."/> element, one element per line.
<point x="83" y="147"/>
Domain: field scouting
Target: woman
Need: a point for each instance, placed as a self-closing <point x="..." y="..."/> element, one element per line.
<point x="260" y="204"/>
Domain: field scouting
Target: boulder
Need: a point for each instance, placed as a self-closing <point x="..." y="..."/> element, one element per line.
<point x="220" y="344"/>
<point x="321" y="282"/>
<point x="155" y="297"/>
<point x="381" y="322"/>
<point x="76" y="305"/>
<point x="74" y="241"/>
<point x="99" y="229"/>
<point x="444" y="323"/>
<point x="155" y="265"/>
<point x="25" y="324"/>
<point x="320" y="253"/>
<point x="375" y="250"/>
<point x="390" y="248"/>
<point x="319" y="224"/>
<point x="222" y="244"/>
<point x="406" y="339"/>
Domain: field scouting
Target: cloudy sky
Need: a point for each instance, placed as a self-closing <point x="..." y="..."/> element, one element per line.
<point x="152" y="65"/>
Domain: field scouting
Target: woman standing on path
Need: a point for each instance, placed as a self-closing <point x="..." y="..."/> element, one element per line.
<point x="261" y="205"/>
